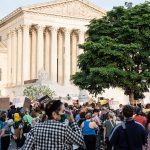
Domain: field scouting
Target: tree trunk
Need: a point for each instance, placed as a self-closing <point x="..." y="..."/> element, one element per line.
<point x="131" y="98"/>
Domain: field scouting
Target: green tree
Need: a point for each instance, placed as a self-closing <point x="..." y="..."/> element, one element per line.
<point x="45" y="90"/>
<point x="34" y="91"/>
<point x="117" y="52"/>
<point x="30" y="92"/>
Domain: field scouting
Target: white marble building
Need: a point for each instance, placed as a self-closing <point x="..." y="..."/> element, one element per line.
<point x="46" y="36"/>
<point x="3" y="66"/>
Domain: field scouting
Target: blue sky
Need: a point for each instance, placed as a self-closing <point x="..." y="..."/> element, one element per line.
<point x="7" y="6"/>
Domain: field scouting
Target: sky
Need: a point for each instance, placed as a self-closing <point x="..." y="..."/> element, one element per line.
<point x="7" y="6"/>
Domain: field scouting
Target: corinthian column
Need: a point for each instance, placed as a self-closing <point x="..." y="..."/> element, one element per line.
<point x="67" y="57"/>
<point x="9" y="59"/>
<point x="74" y="52"/>
<point x="33" y="68"/>
<point x="81" y="40"/>
<point x="26" y="53"/>
<point x="47" y="52"/>
<point x="19" y="60"/>
<point x="40" y="48"/>
<point x="14" y="58"/>
<point x="54" y="55"/>
<point x="60" y="57"/>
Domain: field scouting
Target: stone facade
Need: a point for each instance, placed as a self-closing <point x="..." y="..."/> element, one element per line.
<point x="46" y="36"/>
<point x="3" y="67"/>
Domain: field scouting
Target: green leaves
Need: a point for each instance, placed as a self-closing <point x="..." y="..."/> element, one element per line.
<point x="34" y="91"/>
<point x="117" y="52"/>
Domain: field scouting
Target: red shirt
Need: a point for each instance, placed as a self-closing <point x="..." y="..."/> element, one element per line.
<point x="141" y="119"/>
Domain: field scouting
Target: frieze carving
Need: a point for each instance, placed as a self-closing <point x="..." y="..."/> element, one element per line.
<point x="81" y="9"/>
<point x="75" y="9"/>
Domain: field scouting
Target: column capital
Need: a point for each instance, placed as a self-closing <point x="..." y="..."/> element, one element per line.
<point x="14" y="32"/>
<point x="67" y="30"/>
<point x="39" y="27"/>
<point x="9" y="34"/>
<point x="81" y="31"/>
<point x="19" y="27"/>
<point x="54" y="29"/>
<point x="25" y="27"/>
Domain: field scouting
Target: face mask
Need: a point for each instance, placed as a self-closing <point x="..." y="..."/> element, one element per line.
<point x="63" y="117"/>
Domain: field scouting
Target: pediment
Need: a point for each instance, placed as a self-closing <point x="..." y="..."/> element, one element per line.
<point x="70" y="8"/>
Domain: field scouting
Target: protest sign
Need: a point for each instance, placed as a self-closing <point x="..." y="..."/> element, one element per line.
<point x="4" y="103"/>
<point x="114" y="105"/>
<point x="45" y="99"/>
<point x="27" y="103"/>
<point x="19" y="101"/>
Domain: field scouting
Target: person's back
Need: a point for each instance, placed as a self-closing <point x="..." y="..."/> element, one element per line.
<point x="129" y="135"/>
<point x="53" y="134"/>
<point x="89" y="132"/>
<point x="131" y="138"/>
<point x="108" y="127"/>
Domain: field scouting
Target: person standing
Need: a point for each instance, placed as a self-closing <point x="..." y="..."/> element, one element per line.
<point x="5" y="139"/>
<point x="119" y="111"/>
<point x="130" y="135"/>
<point x="2" y="132"/>
<point x="52" y="134"/>
<point x="148" y="130"/>
<point x="27" y="120"/>
<point x="139" y="117"/>
<point x="89" y="132"/>
<point x="108" y="127"/>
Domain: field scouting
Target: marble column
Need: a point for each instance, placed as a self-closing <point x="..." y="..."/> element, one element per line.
<point x="60" y="57"/>
<point x="9" y="59"/>
<point x="33" y="54"/>
<point x="26" y="53"/>
<point x="81" y="35"/>
<point x="74" y="52"/>
<point x="81" y="40"/>
<point x="40" y="48"/>
<point x="54" y="55"/>
<point x="67" y="57"/>
<point x="47" y="52"/>
<point x="14" y="58"/>
<point x="19" y="60"/>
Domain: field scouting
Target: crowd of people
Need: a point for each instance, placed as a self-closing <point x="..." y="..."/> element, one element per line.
<point x="59" y="126"/>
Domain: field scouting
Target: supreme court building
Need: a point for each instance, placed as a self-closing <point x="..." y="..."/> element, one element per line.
<point x="41" y="41"/>
<point x="44" y="37"/>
